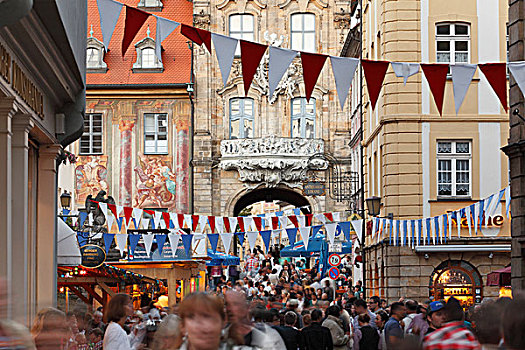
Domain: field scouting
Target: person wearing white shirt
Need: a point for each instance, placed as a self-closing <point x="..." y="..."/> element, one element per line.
<point x="119" y="308"/>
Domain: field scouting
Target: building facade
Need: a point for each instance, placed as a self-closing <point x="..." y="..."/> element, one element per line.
<point x="422" y="164"/>
<point x="252" y="148"/>
<point x="42" y="100"/>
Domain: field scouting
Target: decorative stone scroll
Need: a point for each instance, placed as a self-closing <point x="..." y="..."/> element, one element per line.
<point x="272" y="160"/>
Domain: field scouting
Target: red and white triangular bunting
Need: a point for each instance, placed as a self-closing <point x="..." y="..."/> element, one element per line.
<point x="109" y="12"/>
<point x="496" y="74"/>
<point x="312" y="66"/>
<point x="374" y="74"/>
<point x="280" y="60"/>
<point x="251" y="54"/>
<point x="462" y="75"/>
<point x="343" y="69"/>
<point x="225" y="50"/>
<point x="135" y="18"/>
<point x="436" y="75"/>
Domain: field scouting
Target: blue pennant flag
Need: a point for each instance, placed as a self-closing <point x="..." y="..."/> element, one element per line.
<point x="292" y="234"/>
<point x="462" y="214"/>
<point x="82" y="217"/>
<point x="428" y="230"/>
<point x="420" y="228"/>
<point x="119" y="223"/>
<point x="346" y="226"/>
<point x="82" y="238"/>
<point x="279" y="213"/>
<point x="152" y="223"/>
<point x="161" y="239"/>
<point x="405" y="229"/>
<point x="436" y="228"/>
<point x="65" y="212"/>
<point x="323" y="259"/>
<point x="382" y="229"/>
<point x="398" y="232"/>
<point x="316" y="229"/>
<point x="487" y="206"/>
<point x="133" y="241"/>
<point x="445" y="226"/>
<point x="186" y="242"/>
<point x="214" y="240"/>
<point x="481" y="212"/>
<point x="108" y="239"/>
<point x="240" y="235"/>
<point x="266" y="235"/>
<point x="413" y="226"/>
<point x="390" y="229"/>
<point x="498" y="202"/>
<point x="297" y="211"/>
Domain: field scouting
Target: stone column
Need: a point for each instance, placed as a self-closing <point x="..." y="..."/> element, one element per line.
<point x="182" y="166"/>
<point x="46" y="267"/>
<point x="21" y="125"/>
<point x="126" y="126"/>
<point x="6" y="114"/>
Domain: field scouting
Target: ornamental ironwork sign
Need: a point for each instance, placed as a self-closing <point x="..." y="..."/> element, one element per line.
<point x="314" y="188"/>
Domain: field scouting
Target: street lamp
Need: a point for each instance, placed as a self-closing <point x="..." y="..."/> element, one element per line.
<point x="65" y="200"/>
<point x="373" y="204"/>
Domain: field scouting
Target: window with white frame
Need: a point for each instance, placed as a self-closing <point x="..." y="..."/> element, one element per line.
<point x="303" y="118"/>
<point x="151" y="4"/>
<point x="302" y="32"/>
<point x="241" y="118"/>
<point x="454" y="168"/>
<point x="241" y="26"/>
<point x="155" y="133"/>
<point x="95" y="55"/>
<point x="147" y="60"/>
<point x="453" y="42"/>
<point x="91" y="139"/>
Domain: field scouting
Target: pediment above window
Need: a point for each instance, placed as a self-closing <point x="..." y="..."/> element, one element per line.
<point x="241" y="4"/>
<point x="95" y="55"/>
<point x="151" y="5"/>
<point x="147" y="61"/>
<point x="303" y="4"/>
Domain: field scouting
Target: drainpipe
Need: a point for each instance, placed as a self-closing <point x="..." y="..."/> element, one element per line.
<point x="361" y="148"/>
<point x="191" y="94"/>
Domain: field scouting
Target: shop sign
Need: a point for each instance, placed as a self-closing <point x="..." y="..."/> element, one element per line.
<point x="314" y="188"/>
<point x="93" y="256"/>
<point x="488" y="221"/>
<point x="336" y="247"/>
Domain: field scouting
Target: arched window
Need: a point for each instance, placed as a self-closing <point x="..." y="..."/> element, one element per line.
<point x="241" y="26"/>
<point x="457" y="278"/>
<point x="147" y="60"/>
<point x="303" y="118"/>
<point x="241" y="118"/>
<point x="95" y="55"/>
<point x="302" y="32"/>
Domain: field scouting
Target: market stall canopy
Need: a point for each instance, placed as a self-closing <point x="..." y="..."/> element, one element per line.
<point x="499" y="278"/>
<point x="219" y="258"/>
<point x="315" y="245"/>
<point x="68" y="252"/>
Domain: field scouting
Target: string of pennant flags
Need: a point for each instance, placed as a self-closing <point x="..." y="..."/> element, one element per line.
<point x="413" y="232"/>
<point x="343" y="68"/>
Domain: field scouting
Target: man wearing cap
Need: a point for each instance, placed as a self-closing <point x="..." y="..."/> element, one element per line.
<point x="435" y="316"/>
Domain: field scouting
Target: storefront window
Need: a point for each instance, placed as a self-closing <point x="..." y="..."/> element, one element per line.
<point x="458" y="279"/>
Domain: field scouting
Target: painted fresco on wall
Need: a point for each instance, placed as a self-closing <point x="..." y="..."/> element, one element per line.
<point x="155" y="183"/>
<point x="90" y="176"/>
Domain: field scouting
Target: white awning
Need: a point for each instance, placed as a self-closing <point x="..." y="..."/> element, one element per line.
<point x="68" y="252"/>
<point x="463" y="248"/>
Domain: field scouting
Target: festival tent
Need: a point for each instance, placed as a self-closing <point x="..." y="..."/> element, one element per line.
<point x="315" y="244"/>
<point x="219" y="258"/>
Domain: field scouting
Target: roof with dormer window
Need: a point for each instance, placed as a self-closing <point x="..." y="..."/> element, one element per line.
<point x="176" y="56"/>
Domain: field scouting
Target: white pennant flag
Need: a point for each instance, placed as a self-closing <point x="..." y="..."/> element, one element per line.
<point x="104" y="208"/>
<point x="225" y="50"/>
<point x="203" y="220"/>
<point x="321" y="218"/>
<point x="90" y="219"/>
<point x="305" y="235"/>
<point x="252" y="238"/>
<point x="343" y="69"/>
<point x="109" y="12"/>
<point x="148" y="242"/>
<point x="121" y="239"/>
<point x="469" y="221"/>
<point x="233" y="223"/>
<point x="358" y="225"/>
<point x="248" y="223"/>
<point x="174" y="219"/>
<point x="164" y="28"/>
<point x="74" y="219"/>
<point x="517" y="69"/>
<point x="475" y="216"/>
<point x="157" y="219"/>
<point x="280" y="60"/>
<point x="462" y="75"/>
<point x="187" y="221"/>
<point x="301" y="219"/>
<point x="409" y="233"/>
<point x="405" y="69"/>
<point x="449" y="218"/>
<point x="226" y="241"/>
<point x="283" y="220"/>
<point x="137" y="216"/>
<point x="145" y="224"/>
<point x="336" y="216"/>
<point x="458" y="221"/>
<point x="120" y="208"/>
<point x="507" y="200"/>
<point x="219" y="224"/>
<point x="174" y="241"/>
<point x="374" y="227"/>
<point x="330" y="231"/>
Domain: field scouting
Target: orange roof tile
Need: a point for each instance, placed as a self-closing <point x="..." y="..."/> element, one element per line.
<point x="176" y="56"/>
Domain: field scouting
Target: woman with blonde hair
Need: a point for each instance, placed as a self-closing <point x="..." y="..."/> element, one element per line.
<point x="50" y="330"/>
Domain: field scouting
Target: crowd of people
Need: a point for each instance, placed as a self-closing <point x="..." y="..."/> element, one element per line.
<point x="277" y="304"/>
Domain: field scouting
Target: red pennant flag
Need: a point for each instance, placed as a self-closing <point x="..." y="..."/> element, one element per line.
<point x="211" y="220"/>
<point x="275" y="222"/>
<point x="205" y="37"/>
<point x="134" y="20"/>
<point x="436" y="74"/>
<point x="309" y="219"/>
<point x="166" y="217"/>
<point x="294" y="221"/>
<point x="127" y="214"/>
<point x="226" y="221"/>
<point x="312" y="65"/>
<point x="329" y="216"/>
<point x="191" y="33"/>
<point x="180" y="219"/>
<point x="194" y="222"/>
<point x="374" y="74"/>
<point x="496" y="74"/>
<point x="251" y="54"/>
<point x="240" y="220"/>
<point x="258" y="222"/>
<point x="113" y="209"/>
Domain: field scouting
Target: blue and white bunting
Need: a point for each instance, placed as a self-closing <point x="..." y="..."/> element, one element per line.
<point x="187" y="240"/>
<point x="161" y="240"/>
<point x="174" y="238"/>
<point x="266" y="235"/>
<point x="148" y="242"/>
<point x="292" y="234"/>
<point x="226" y="239"/>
